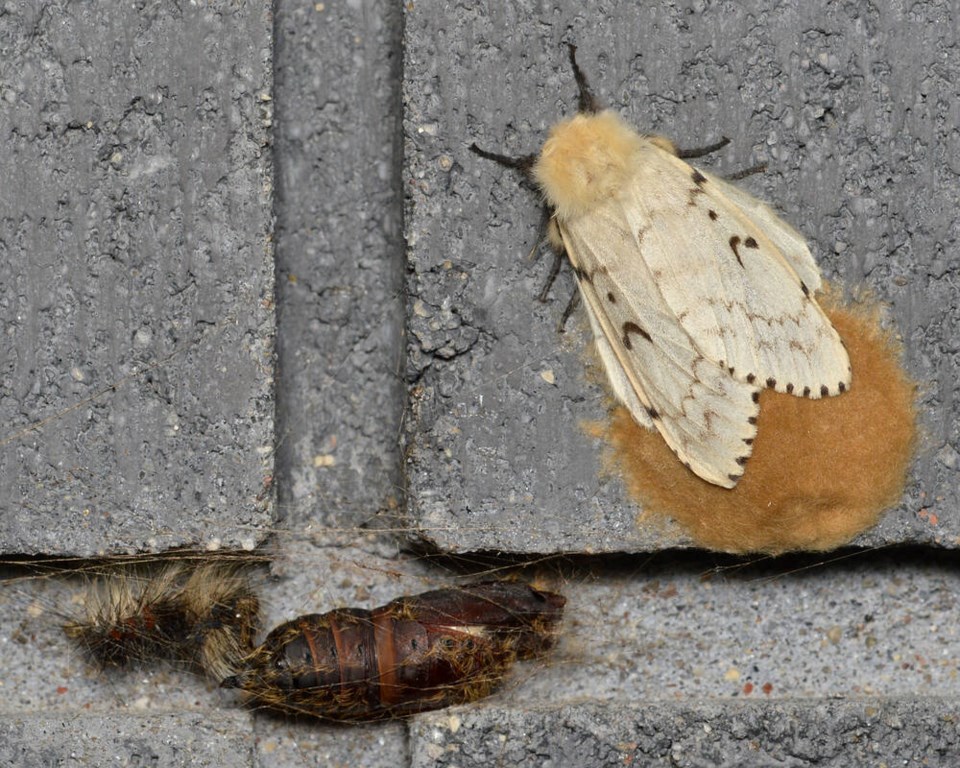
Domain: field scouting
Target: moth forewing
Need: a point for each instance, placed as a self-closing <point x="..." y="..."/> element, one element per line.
<point x="698" y="294"/>
<point x="735" y="291"/>
<point x="790" y="243"/>
<point x="706" y="417"/>
<point x="696" y="305"/>
<point x="623" y="388"/>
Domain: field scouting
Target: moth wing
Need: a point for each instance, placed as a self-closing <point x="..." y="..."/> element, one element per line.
<point x="788" y="241"/>
<point x="616" y="374"/>
<point x="705" y="415"/>
<point x="727" y="282"/>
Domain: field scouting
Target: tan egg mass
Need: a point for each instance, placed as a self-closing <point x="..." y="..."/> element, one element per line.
<point x="822" y="471"/>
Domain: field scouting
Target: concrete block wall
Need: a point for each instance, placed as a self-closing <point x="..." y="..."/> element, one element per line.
<point x="666" y="657"/>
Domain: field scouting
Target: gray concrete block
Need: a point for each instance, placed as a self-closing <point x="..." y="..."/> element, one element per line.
<point x="848" y="106"/>
<point x="136" y="259"/>
<point x="841" y="733"/>
<point x="341" y="397"/>
<point x="301" y="744"/>
<point x="180" y="739"/>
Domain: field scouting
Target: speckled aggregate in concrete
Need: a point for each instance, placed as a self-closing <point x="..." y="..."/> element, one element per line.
<point x="832" y="734"/>
<point x="211" y="739"/>
<point x="136" y="382"/>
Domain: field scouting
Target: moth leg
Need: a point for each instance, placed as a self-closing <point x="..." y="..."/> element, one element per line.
<point x="553" y="234"/>
<point x="547" y="227"/>
<point x="541" y="233"/>
<point x="556" y="245"/>
<point x="663" y="143"/>
<point x="587" y="102"/>
<point x="759" y="168"/>
<point x="685" y="154"/>
<point x="552" y="277"/>
<point x="559" y="251"/>
<point x="571" y="306"/>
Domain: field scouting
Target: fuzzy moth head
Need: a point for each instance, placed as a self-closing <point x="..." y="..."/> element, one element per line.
<point x="585" y="161"/>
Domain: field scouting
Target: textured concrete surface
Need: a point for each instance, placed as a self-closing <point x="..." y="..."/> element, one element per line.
<point x="861" y="732"/>
<point x="851" y="106"/>
<point x="220" y="739"/>
<point x="339" y="264"/>
<point x="655" y="646"/>
<point x="702" y="635"/>
<point x="137" y="277"/>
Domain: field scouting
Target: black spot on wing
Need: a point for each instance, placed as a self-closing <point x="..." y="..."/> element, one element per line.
<point x="699" y="180"/>
<point x="653" y="413"/>
<point x="611" y="298"/>
<point x="841" y="386"/>
<point x="772" y="383"/>
<point x="748" y="440"/>
<point x="750" y="243"/>
<point x="751" y="420"/>
<point x="742" y="460"/>
<point x="734" y="242"/>
<point x="824" y="390"/>
<point x="755" y="397"/>
<point x="734" y="478"/>
<point x="789" y="389"/>
<point x="631" y="327"/>
<point x="712" y="214"/>
<point x="751" y="378"/>
<point x="806" y="391"/>
<point x="803" y="287"/>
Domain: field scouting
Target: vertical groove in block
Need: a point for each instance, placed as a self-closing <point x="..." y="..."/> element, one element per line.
<point x="339" y="262"/>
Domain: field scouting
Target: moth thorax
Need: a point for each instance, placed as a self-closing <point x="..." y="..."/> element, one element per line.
<point x="585" y="161"/>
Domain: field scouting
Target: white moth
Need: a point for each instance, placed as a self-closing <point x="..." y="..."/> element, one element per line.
<point x="698" y="294"/>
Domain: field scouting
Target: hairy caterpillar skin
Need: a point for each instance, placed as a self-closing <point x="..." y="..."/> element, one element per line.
<point x="205" y="616"/>
<point x="698" y="295"/>
<point x="449" y="646"/>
